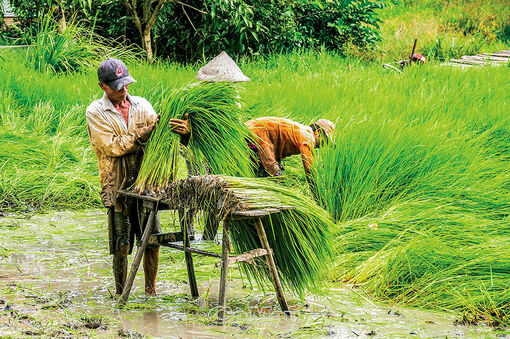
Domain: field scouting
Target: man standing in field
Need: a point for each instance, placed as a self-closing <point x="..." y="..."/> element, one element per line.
<point x="118" y="126"/>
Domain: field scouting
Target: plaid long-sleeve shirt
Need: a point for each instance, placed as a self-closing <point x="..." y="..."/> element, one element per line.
<point x="278" y="138"/>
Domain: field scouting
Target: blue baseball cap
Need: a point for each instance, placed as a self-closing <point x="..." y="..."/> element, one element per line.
<point x="114" y="73"/>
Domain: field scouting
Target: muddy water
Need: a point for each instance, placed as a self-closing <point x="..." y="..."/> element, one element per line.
<point x="55" y="281"/>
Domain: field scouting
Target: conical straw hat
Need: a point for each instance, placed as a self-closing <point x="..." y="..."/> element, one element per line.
<point x="221" y="68"/>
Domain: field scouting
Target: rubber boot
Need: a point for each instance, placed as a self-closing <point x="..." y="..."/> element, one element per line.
<point x="120" y="267"/>
<point x="150" y="268"/>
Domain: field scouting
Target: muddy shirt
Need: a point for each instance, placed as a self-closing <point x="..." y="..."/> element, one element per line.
<point x="118" y="152"/>
<point x="278" y="138"/>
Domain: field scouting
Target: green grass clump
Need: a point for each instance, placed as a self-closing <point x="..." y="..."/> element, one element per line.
<point x="72" y="48"/>
<point x="217" y="135"/>
<point x="430" y="253"/>
<point x="43" y="170"/>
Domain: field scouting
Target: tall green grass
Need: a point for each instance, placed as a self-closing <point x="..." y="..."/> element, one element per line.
<point x="71" y="49"/>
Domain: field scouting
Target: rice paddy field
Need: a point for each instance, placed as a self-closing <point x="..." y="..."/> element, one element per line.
<point x="417" y="181"/>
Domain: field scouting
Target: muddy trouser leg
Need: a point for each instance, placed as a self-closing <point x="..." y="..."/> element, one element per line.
<point x="121" y="229"/>
<point x="120" y="267"/>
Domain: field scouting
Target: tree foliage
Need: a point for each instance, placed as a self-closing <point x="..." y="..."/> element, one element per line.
<point x="261" y="26"/>
<point x="28" y="10"/>
<point x="191" y="29"/>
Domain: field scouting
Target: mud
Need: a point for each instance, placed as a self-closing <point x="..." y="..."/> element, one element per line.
<point x="55" y="281"/>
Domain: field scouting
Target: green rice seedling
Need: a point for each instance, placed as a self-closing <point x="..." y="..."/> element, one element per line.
<point x="42" y="119"/>
<point x="10" y="111"/>
<point x="38" y="170"/>
<point x="366" y="172"/>
<point x="300" y="237"/>
<point x="217" y="135"/>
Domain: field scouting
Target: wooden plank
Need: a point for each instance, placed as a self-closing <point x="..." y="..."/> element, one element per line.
<point x="272" y="267"/>
<point x="225" y="252"/>
<point x="493" y="57"/>
<point x="252" y="214"/>
<point x="192" y="250"/>
<point x="17" y="46"/>
<point x="137" y="196"/>
<point x="183" y="217"/>
<point x="485" y="60"/>
<point x="466" y="62"/>
<point x="246" y="256"/>
<point x="138" y="258"/>
<point x="500" y="53"/>
<point x="158" y="239"/>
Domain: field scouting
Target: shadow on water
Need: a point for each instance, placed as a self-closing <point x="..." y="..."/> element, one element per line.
<point x="55" y="280"/>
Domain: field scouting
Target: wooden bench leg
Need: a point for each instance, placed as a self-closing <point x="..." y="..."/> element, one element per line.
<point x="184" y="217"/>
<point x="138" y="258"/>
<point x="222" y="300"/>
<point x="272" y="267"/>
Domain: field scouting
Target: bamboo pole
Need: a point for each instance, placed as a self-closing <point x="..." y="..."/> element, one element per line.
<point x="225" y="252"/>
<point x="272" y="267"/>
<point x="185" y="220"/>
<point x="138" y="258"/>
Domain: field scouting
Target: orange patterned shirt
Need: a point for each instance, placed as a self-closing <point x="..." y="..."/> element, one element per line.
<point x="278" y="138"/>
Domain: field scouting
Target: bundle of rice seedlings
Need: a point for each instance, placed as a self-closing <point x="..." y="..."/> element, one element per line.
<point x="300" y="237"/>
<point x="218" y="137"/>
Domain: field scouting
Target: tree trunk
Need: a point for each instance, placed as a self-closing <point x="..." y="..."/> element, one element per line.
<point x="147" y="21"/>
<point x="147" y="44"/>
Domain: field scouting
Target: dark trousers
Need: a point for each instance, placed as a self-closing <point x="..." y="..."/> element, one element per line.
<point x="123" y="228"/>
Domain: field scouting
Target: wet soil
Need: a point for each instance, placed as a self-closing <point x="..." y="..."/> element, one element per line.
<point x="55" y="281"/>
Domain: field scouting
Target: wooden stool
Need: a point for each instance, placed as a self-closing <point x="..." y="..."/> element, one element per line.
<point x="167" y="239"/>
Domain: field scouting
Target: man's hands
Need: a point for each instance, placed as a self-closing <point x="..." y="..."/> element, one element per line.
<point x="144" y="133"/>
<point x="180" y="126"/>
